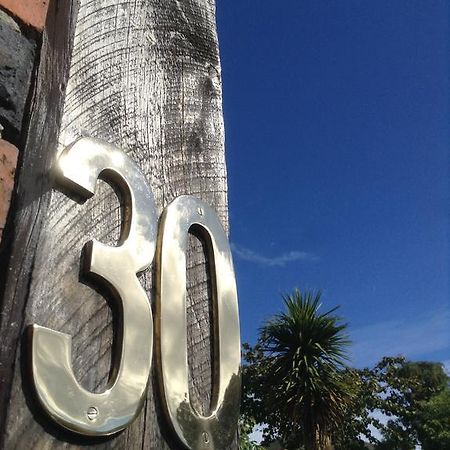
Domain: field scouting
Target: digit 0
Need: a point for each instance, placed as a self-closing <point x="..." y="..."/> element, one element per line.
<point x="195" y="431"/>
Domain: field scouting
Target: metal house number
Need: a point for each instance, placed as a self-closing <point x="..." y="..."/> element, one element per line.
<point x="84" y="412"/>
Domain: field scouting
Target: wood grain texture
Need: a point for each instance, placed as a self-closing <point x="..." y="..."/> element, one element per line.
<point x="143" y="75"/>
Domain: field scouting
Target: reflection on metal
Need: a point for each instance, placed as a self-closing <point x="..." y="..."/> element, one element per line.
<point x="60" y="394"/>
<point x="115" y="268"/>
<point x="217" y="430"/>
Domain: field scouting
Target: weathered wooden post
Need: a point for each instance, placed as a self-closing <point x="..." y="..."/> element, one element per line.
<point x="144" y="76"/>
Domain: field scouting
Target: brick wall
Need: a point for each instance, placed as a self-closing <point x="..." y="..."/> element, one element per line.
<point x="21" y="22"/>
<point x="30" y="12"/>
<point x="8" y="162"/>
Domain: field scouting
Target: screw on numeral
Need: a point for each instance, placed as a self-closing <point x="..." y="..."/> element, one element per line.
<point x="92" y="413"/>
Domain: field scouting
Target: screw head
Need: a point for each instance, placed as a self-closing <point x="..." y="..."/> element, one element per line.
<point x="205" y="436"/>
<point x="92" y="413"/>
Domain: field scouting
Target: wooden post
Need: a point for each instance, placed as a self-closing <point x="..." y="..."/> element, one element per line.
<point x="143" y="75"/>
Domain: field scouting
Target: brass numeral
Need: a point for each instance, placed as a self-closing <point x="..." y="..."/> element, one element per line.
<point x="84" y="412"/>
<point x="59" y="392"/>
<point x="216" y="430"/>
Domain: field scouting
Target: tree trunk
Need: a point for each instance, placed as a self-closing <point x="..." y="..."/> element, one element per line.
<point x="143" y="75"/>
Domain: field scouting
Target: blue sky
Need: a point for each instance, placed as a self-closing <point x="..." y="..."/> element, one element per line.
<point x="337" y="138"/>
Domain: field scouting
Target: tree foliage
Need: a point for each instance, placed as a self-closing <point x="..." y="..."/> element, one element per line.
<point x="434" y="422"/>
<point x="355" y="432"/>
<point x="246" y="426"/>
<point x="296" y="382"/>
<point x="409" y="394"/>
<point x="295" y="376"/>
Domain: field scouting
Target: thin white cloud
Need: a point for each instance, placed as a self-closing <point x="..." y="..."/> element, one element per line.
<point x="273" y="261"/>
<point x="409" y="337"/>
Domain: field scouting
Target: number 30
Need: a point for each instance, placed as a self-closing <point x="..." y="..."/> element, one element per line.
<point x="84" y="412"/>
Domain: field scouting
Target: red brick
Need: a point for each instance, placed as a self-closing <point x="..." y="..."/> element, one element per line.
<point x="8" y="163"/>
<point x="31" y="12"/>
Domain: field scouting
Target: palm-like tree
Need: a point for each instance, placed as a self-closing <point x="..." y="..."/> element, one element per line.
<point x="305" y="353"/>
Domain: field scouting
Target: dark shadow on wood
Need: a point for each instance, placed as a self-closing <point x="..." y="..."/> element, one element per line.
<point x="38" y="138"/>
<point x="112" y="297"/>
<point x="208" y="269"/>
